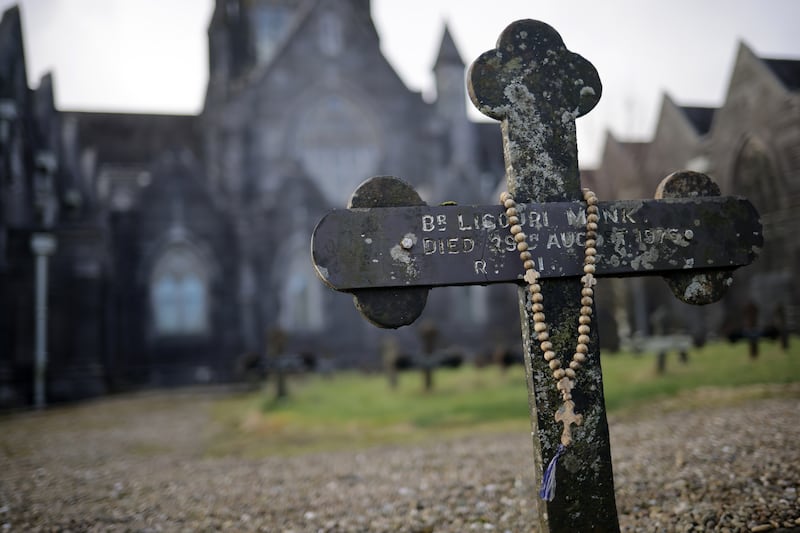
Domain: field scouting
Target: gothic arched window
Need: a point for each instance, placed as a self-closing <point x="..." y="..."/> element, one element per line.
<point x="179" y="293"/>
<point x="755" y="176"/>
<point x="331" y="38"/>
<point x="338" y="146"/>
<point x="301" y="297"/>
<point x="270" y="24"/>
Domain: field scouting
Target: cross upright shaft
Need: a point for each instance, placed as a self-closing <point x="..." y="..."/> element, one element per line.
<point x="536" y="88"/>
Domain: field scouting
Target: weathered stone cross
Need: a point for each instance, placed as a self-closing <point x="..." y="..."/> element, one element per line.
<point x="389" y="248"/>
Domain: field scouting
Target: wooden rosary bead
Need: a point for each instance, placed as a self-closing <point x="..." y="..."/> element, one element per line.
<point x="554" y="364"/>
<point x="543" y="336"/>
<point x="549" y="355"/>
<point x="579" y="357"/>
<point x="522" y="246"/>
<point x="587" y="300"/>
<point x="570" y="372"/>
<point x="587" y="291"/>
<point x="537" y="308"/>
<point x="511" y="212"/>
<point x="529" y="264"/>
<point x="546" y="346"/>
<point x="539" y="327"/>
<point x="509" y="203"/>
<point x="589" y="260"/>
<point x="520" y="237"/>
<point x="513" y="220"/>
<point x="537" y="297"/>
<point x="583" y="319"/>
<point x="586" y="311"/>
<point x="538" y="317"/>
<point x="574" y="365"/>
<point x="588" y="269"/>
<point x="582" y="348"/>
<point x="558" y="374"/>
<point x="505" y="195"/>
<point x="584" y="339"/>
<point x="584" y="329"/>
<point x="592" y="210"/>
<point x="516" y="228"/>
<point x="591" y="243"/>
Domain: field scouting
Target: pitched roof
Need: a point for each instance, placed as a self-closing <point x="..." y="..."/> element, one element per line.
<point x="448" y="53"/>
<point x="699" y="117"/>
<point x="787" y="70"/>
<point x="133" y="138"/>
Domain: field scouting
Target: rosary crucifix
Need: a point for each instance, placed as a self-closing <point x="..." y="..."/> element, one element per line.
<point x="390" y="248"/>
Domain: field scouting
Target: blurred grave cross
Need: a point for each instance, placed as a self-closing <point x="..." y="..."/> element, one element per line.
<point x="390" y="248"/>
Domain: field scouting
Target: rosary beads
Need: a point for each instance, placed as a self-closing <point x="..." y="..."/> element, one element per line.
<point x="564" y="377"/>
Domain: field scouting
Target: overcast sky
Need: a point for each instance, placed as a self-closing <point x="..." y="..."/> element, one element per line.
<point x="151" y="55"/>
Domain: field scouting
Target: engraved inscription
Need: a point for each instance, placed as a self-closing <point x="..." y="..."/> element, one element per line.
<point x="632" y="242"/>
<point x="450" y="246"/>
<point x="485" y="221"/>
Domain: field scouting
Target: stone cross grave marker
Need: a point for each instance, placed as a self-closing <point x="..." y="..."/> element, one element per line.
<point x="390" y="248"/>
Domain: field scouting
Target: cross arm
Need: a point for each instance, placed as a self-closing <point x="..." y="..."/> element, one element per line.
<point x="432" y="246"/>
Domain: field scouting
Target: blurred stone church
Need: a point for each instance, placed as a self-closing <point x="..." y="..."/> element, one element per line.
<point x="181" y="243"/>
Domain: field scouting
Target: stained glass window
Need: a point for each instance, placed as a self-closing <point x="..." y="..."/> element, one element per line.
<point x="179" y="294"/>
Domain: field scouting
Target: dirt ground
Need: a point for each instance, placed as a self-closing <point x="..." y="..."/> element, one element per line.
<point x="141" y="463"/>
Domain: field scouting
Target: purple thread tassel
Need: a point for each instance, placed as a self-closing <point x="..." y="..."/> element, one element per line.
<point x="548" y="490"/>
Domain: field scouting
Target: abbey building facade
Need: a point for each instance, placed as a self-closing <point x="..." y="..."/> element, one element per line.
<point x="182" y="242"/>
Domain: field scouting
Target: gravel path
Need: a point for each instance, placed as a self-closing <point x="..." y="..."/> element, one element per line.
<point x="138" y="464"/>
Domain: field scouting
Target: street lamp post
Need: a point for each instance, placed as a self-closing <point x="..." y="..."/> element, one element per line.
<point x="43" y="246"/>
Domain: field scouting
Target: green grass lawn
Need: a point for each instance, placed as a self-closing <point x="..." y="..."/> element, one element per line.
<point x="352" y="409"/>
<point x="631" y="381"/>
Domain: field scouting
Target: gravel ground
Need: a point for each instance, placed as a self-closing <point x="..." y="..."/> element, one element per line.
<point x="138" y="464"/>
